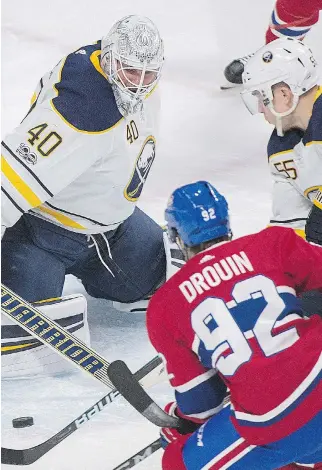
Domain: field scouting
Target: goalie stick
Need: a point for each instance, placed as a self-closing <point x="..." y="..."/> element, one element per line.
<point x="53" y="335"/>
<point x="63" y="342"/>
<point x="32" y="454"/>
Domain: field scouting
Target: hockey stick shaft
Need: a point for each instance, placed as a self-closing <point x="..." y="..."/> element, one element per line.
<point x="53" y="335"/>
<point x="149" y="372"/>
<point x="126" y="383"/>
<point x="61" y="341"/>
<point x="32" y="454"/>
<point x="139" y="456"/>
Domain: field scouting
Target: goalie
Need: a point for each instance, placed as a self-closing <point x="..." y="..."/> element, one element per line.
<point x="74" y="169"/>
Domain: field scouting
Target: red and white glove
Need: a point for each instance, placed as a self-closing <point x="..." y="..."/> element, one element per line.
<point x="173" y="440"/>
<point x="171" y="434"/>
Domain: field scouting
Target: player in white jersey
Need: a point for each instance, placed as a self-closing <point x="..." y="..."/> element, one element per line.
<point x="281" y="81"/>
<point x="75" y="167"/>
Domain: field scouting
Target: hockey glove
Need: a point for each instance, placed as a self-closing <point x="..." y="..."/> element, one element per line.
<point x="313" y="227"/>
<point x="171" y="434"/>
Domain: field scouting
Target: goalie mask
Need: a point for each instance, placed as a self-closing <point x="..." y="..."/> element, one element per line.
<point x="286" y="61"/>
<point x="132" y="58"/>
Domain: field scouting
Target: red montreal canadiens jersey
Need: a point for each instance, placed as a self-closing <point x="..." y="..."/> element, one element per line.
<point x="293" y="18"/>
<point x="231" y="318"/>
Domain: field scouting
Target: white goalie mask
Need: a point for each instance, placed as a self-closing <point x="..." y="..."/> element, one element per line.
<point x="132" y="58"/>
<point x="284" y="60"/>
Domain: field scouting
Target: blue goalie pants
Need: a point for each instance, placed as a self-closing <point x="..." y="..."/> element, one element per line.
<point x="124" y="265"/>
<point x="217" y="445"/>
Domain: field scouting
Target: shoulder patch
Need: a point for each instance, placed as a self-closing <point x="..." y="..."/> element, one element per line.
<point x="278" y="144"/>
<point x="314" y="131"/>
<point x="85" y="99"/>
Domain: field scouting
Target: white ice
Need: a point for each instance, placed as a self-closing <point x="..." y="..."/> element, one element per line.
<point x="206" y="134"/>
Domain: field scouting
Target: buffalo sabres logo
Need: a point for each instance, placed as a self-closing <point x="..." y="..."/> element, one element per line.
<point x="142" y="167"/>
<point x="267" y="57"/>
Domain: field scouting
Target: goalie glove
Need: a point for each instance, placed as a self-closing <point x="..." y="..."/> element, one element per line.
<point x="169" y="435"/>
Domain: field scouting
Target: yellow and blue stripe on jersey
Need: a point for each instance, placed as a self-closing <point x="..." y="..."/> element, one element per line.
<point x="16" y="188"/>
<point x="85" y="102"/>
<point x="279" y="145"/>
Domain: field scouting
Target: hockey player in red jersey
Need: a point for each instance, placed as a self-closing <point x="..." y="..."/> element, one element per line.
<point x="231" y="319"/>
<point x="292" y="18"/>
<point x="289" y="18"/>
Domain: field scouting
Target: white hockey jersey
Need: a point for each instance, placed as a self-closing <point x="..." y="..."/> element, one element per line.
<point x="296" y="165"/>
<point x="75" y="160"/>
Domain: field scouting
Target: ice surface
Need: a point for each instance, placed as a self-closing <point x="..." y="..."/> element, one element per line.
<point x="206" y="134"/>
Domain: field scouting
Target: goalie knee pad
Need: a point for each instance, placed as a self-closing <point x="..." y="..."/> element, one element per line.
<point x="23" y="355"/>
<point x="175" y="260"/>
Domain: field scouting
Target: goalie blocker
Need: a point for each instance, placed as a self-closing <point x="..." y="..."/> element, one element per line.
<point x="25" y="356"/>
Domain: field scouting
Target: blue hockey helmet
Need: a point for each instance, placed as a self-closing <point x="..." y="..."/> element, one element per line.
<point x="197" y="212"/>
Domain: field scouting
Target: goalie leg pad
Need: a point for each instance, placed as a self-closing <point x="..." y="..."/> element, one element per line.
<point x="22" y="355"/>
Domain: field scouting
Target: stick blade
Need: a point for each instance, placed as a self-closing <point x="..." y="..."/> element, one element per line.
<point x="125" y="382"/>
<point x="14" y="457"/>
